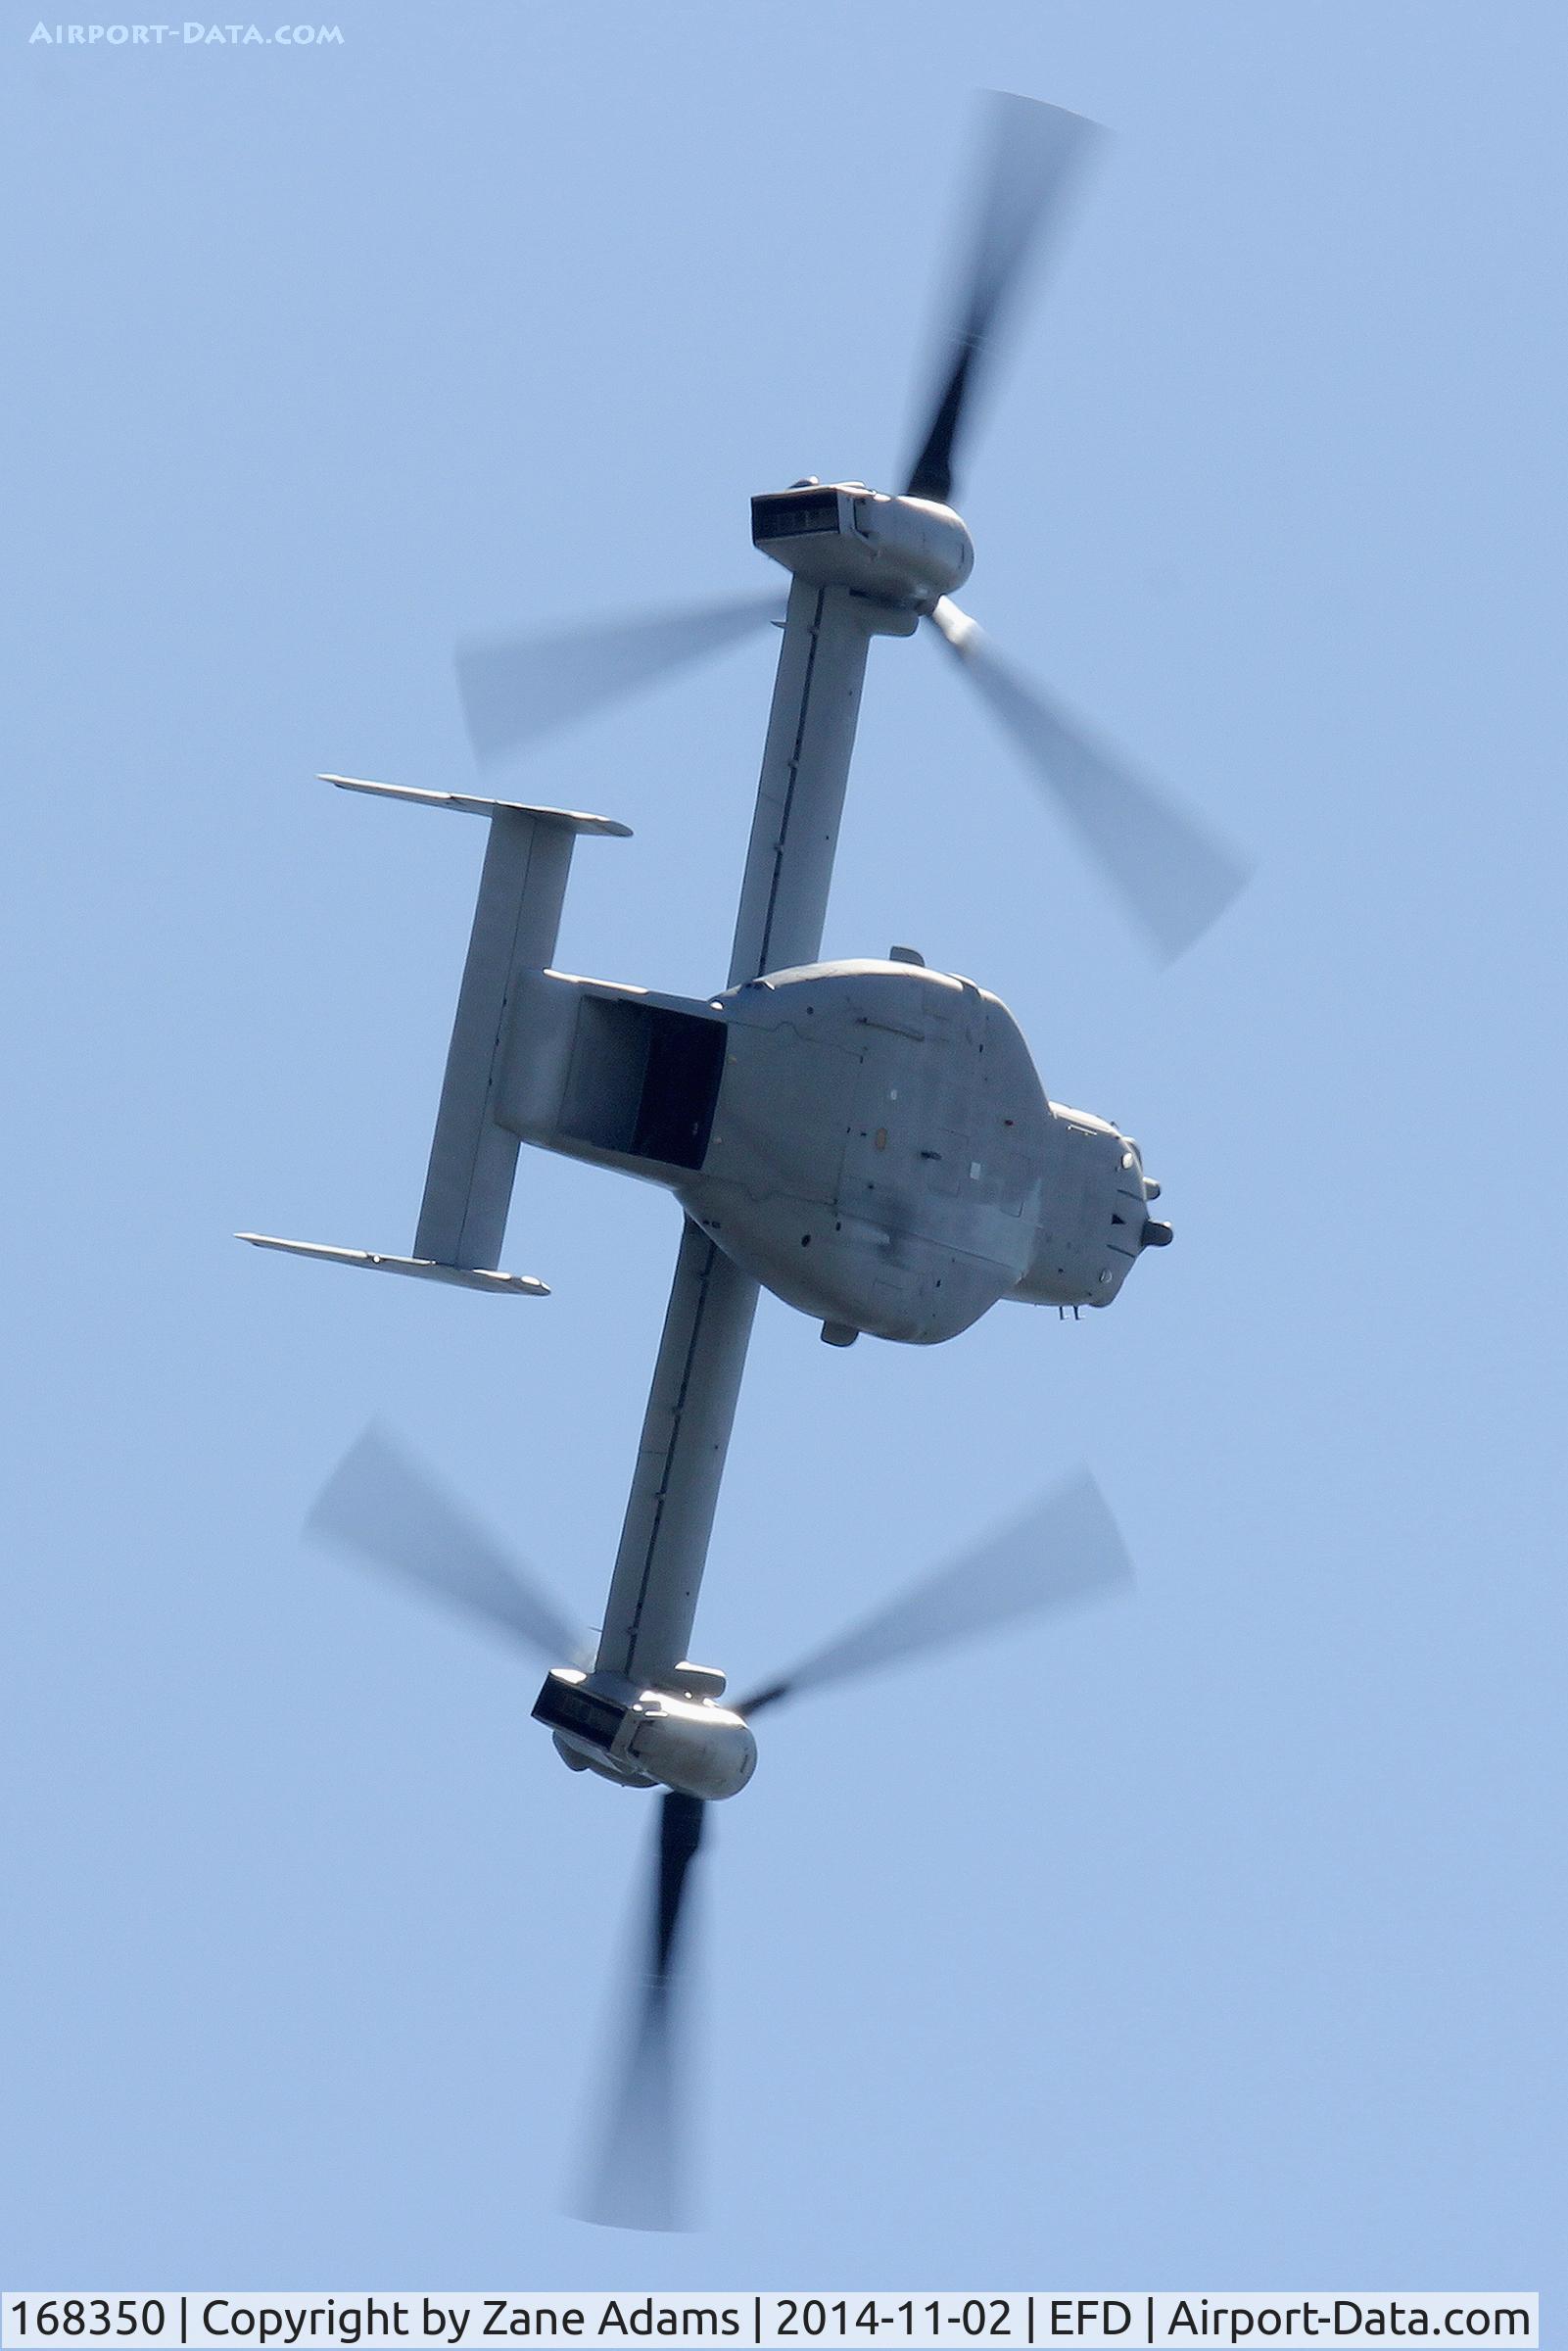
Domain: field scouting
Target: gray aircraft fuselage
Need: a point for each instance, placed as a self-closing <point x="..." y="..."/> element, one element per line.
<point x="869" y="1140"/>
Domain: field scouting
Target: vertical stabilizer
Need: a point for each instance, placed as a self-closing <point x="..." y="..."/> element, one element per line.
<point x="468" y="1184"/>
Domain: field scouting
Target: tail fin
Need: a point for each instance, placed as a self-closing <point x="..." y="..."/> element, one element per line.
<point x="468" y="1184"/>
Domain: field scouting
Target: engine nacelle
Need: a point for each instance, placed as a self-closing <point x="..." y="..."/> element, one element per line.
<point x="647" y="1739"/>
<point x="900" y="551"/>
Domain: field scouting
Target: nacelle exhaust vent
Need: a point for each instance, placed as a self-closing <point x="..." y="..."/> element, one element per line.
<point x="791" y="513"/>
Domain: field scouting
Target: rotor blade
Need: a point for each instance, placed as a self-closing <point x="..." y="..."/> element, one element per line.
<point x="517" y="689"/>
<point x="638" y="2175"/>
<point x="380" y="1504"/>
<point x="1174" y="877"/>
<point x="1066" y="1549"/>
<point x="1033" y="155"/>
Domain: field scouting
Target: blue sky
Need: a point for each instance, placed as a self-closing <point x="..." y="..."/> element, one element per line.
<point x="1212" y="1939"/>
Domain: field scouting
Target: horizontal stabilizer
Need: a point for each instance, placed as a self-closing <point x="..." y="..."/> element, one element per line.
<point x="570" y="820"/>
<point x="422" y="1269"/>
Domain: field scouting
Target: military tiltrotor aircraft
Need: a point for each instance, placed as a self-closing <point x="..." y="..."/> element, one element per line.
<point x="868" y="1140"/>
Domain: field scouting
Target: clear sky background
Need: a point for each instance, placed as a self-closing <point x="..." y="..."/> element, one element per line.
<point x="1212" y="1937"/>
